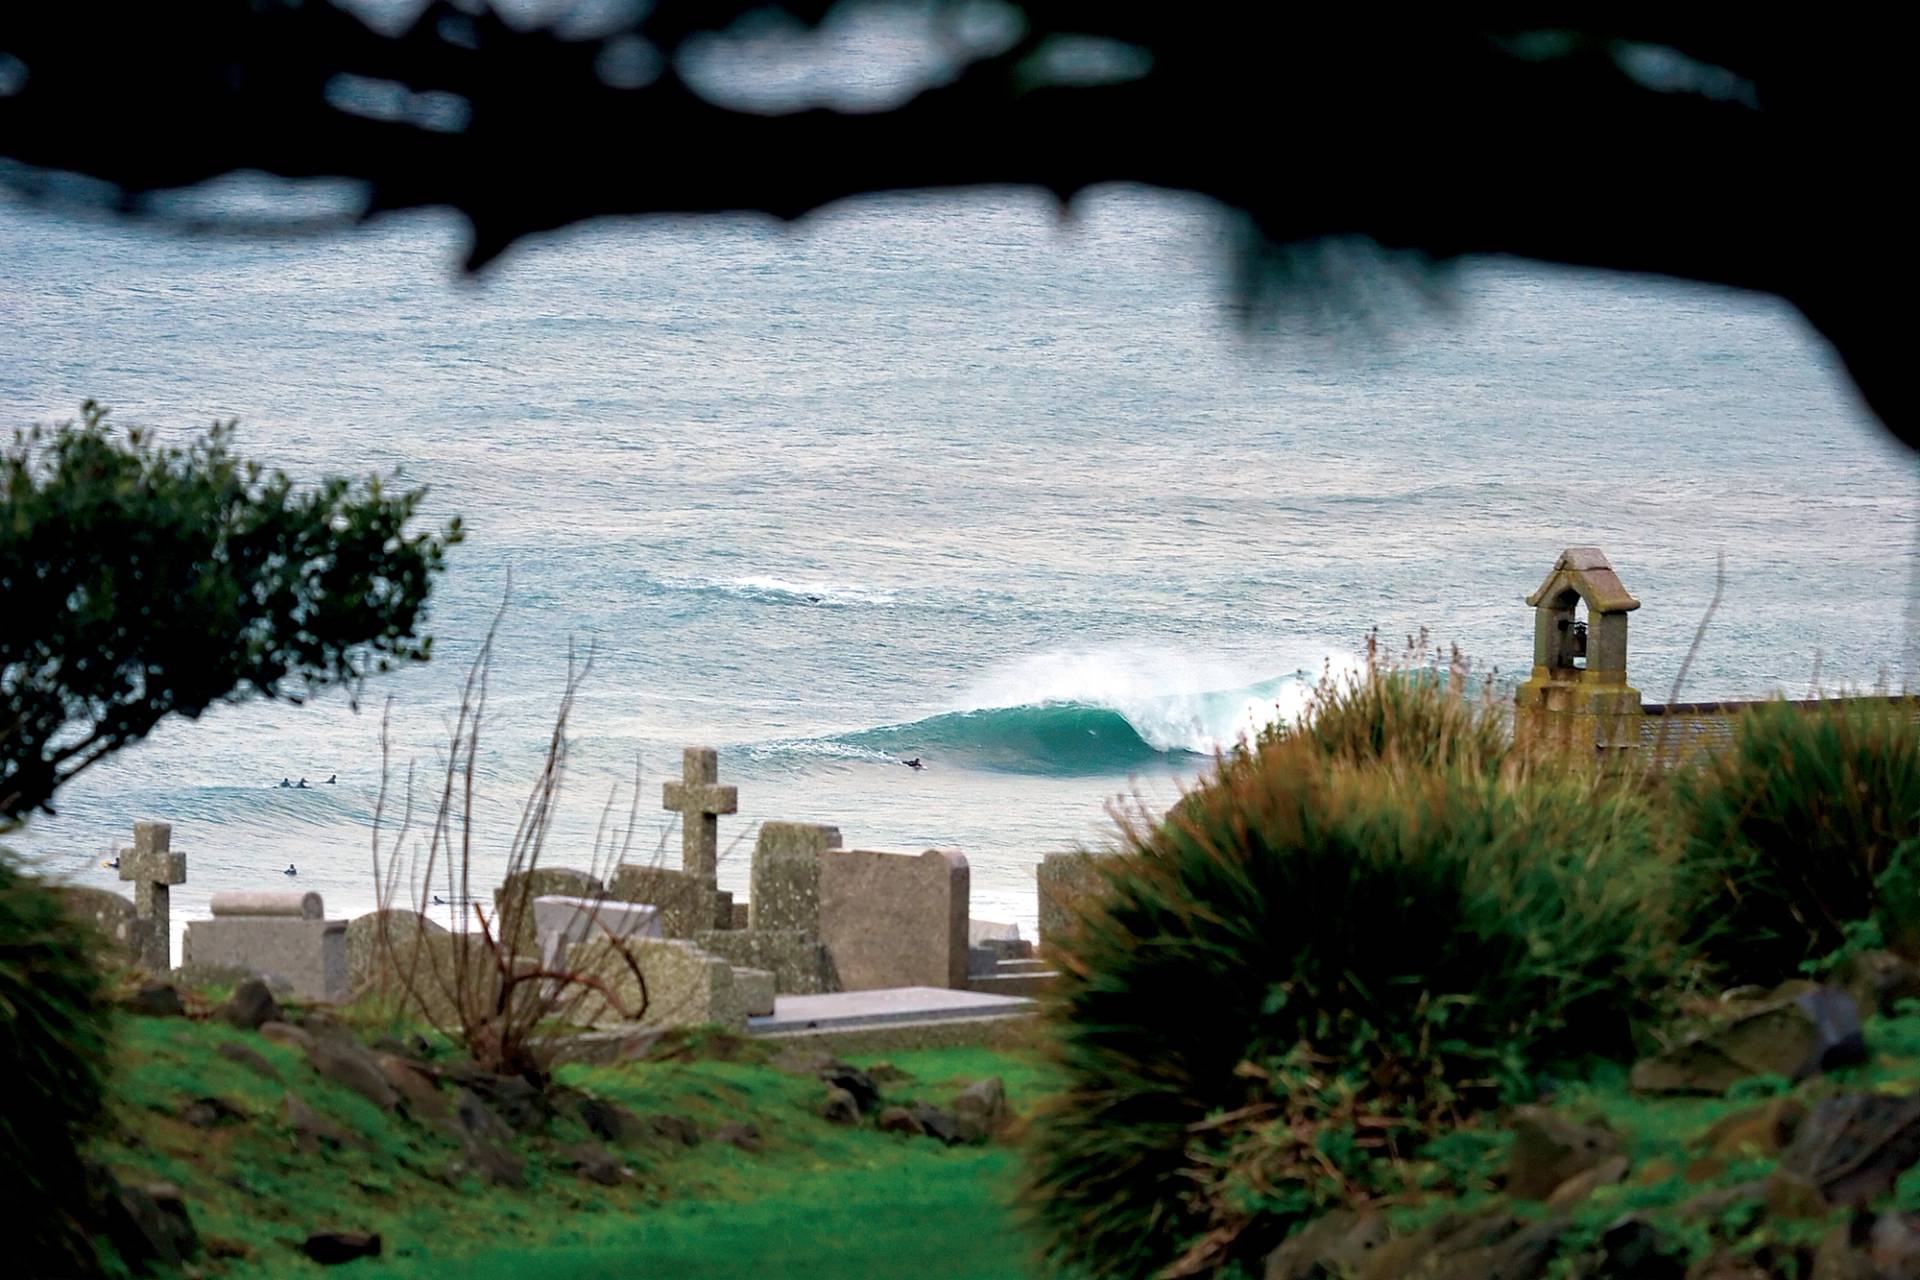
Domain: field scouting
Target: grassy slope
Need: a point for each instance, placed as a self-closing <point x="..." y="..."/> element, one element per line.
<point x="816" y="1201"/>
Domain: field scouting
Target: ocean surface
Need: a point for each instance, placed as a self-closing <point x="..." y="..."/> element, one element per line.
<point x="938" y="476"/>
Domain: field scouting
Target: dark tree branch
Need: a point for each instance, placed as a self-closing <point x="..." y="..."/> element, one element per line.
<point x="1526" y="135"/>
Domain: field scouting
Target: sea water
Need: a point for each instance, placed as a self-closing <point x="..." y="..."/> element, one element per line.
<point x="947" y="477"/>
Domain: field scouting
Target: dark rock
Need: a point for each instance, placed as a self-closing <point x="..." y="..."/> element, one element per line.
<point x="745" y="1137"/>
<point x="352" y="1067"/>
<point x="1764" y="1130"/>
<point x="1634" y="1249"/>
<point x="493" y="1162"/>
<point x="311" y="1130"/>
<point x="1853" y="1147"/>
<point x="250" y="1005"/>
<point x="415" y="1084"/>
<point x="608" y="1121"/>
<point x="938" y="1124"/>
<point x="148" y="1224"/>
<point x="596" y="1164"/>
<point x="1583" y="1184"/>
<point x="899" y="1120"/>
<point x="1335" y="1244"/>
<point x="1712" y="1204"/>
<point x="155" y="1000"/>
<point x="1842" y="1255"/>
<point x="331" y="1248"/>
<point x="477" y="1120"/>
<point x="524" y="1105"/>
<point x="1492" y="1245"/>
<point x="840" y="1108"/>
<point x="1788" y="1196"/>
<point x="1796" y="1036"/>
<point x="210" y="1113"/>
<point x="798" y="1061"/>
<point x="866" y="1094"/>
<point x="287" y="1035"/>
<point x="1893" y="1246"/>
<point x="1548" y="1149"/>
<point x="678" y="1129"/>
<point x="1878" y="980"/>
<point x="980" y="1110"/>
<point x="251" y="1059"/>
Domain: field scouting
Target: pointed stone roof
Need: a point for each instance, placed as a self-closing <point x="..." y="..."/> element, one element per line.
<point x="1587" y="571"/>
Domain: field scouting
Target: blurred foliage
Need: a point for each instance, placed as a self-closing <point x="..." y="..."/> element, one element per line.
<point x="53" y="1050"/>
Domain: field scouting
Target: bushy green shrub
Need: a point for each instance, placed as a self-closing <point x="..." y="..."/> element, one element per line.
<point x="1406" y="710"/>
<point x="1310" y="964"/>
<point x="52" y="1051"/>
<point x="1789" y="833"/>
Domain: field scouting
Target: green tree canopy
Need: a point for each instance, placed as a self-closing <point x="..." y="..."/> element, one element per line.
<point x="138" y="582"/>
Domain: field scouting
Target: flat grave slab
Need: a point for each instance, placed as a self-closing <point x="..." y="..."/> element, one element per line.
<point x="878" y="1008"/>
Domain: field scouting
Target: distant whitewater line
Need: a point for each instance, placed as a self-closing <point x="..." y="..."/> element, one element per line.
<point x="1069" y="737"/>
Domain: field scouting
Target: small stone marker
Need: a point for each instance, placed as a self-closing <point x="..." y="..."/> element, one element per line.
<point x="700" y="800"/>
<point x="154" y="868"/>
<point x="281" y="936"/>
<point x="561" y="922"/>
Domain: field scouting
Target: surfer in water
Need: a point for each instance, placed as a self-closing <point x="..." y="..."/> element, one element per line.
<point x="301" y="785"/>
<point x="286" y="782"/>
<point x="913" y="763"/>
<point x="289" y="871"/>
<point x="333" y="779"/>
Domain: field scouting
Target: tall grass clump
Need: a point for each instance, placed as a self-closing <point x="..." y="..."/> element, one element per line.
<point x="1800" y="834"/>
<point x="1406" y="707"/>
<point x="53" y="1044"/>
<point x="1307" y="968"/>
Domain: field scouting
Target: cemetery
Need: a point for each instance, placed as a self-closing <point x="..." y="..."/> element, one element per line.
<point x="831" y="939"/>
<point x="843" y="1073"/>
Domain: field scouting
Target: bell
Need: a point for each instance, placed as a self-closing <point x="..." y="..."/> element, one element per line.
<point x="1579" y="649"/>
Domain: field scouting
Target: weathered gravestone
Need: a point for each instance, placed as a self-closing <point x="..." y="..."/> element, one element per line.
<point x="684" y="985"/>
<point x="700" y="800"/>
<point x="825" y="919"/>
<point x="112" y="917"/>
<point x="563" y="922"/>
<point x="281" y="936"/>
<point x="688" y="904"/>
<point x="895" y="920"/>
<point x="154" y="868"/>
<point x="516" y="894"/>
<point x="384" y="947"/>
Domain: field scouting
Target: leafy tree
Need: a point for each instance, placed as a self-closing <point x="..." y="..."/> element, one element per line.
<point x="1761" y="150"/>
<point x="138" y="582"/>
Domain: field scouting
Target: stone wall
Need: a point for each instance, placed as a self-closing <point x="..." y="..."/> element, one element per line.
<point x="1683" y="732"/>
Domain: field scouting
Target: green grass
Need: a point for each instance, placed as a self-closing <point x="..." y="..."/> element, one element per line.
<point x="816" y="1201"/>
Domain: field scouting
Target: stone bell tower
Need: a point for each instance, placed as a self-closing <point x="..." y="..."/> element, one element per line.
<point x="1578" y="698"/>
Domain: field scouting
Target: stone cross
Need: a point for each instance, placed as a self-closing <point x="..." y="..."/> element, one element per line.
<point x="700" y="802"/>
<point x="154" y="868"/>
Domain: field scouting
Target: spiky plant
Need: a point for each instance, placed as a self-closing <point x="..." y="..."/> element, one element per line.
<point x="53" y="1042"/>
<point x="1405" y="707"/>
<point x="1305" y="968"/>
<point x="1790" y="832"/>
